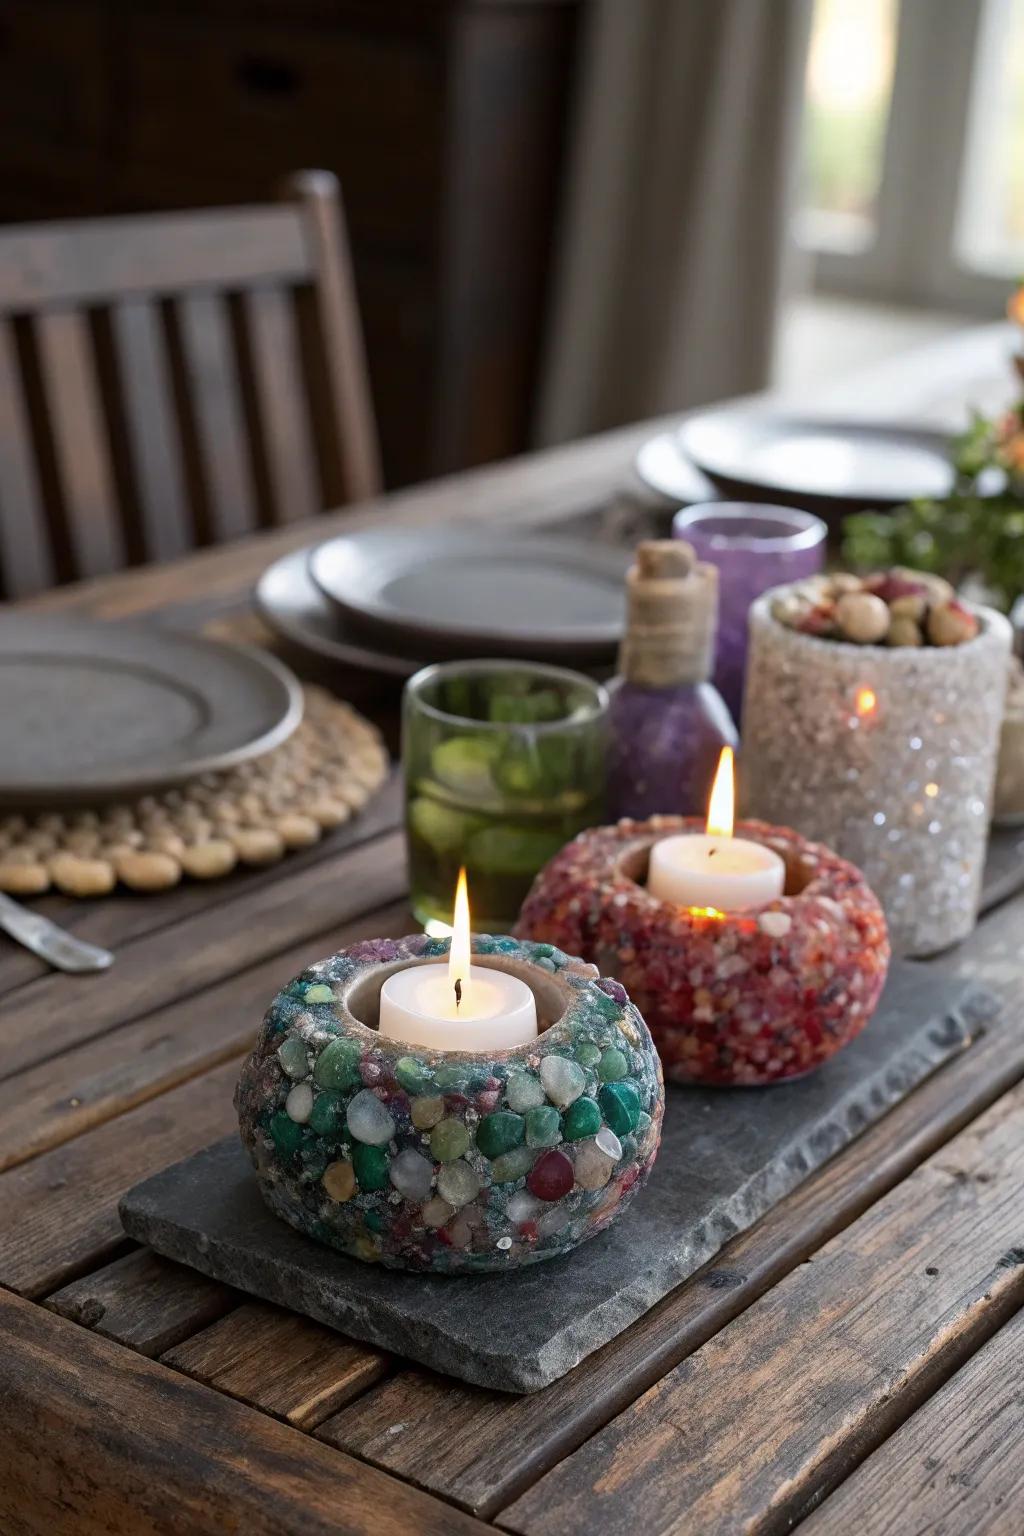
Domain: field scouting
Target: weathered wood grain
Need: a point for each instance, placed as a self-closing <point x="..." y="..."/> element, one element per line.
<point x="143" y="1301"/>
<point x="58" y="1213"/>
<point x="779" y="1406"/>
<point x="124" y="915"/>
<point x="59" y="1098"/>
<point x="287" y="1365"/>
<point x="58" y="1012"/>
<point x="956" y="1467"/>
<point x="99" y="1441"/>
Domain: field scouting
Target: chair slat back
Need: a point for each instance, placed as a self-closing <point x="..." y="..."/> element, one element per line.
<point x="169" y="381"/>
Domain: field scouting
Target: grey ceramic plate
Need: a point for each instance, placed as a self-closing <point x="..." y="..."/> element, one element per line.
<point x="290" y="602"/>
<point x="95" y="710"/>
<point x="855" y="464"/>
<point x="469" y="593"/>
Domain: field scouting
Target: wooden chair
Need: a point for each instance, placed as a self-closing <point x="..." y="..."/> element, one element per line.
<point x="169" y="381"/>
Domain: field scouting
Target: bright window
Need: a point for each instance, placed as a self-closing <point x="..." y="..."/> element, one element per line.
<point x="848" y="90"/>
<point x="990" y="223"/>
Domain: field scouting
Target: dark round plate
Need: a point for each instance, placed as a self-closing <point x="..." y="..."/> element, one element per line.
<point x="92" y="711"/>
<point x="289" y="601"/>
<point x="845" y="464"/>
<point x="462" y="592"/>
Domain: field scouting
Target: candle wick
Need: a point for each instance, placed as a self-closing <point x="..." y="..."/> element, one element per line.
<point x="712" y="852"/>
<point x="458" y="990"/>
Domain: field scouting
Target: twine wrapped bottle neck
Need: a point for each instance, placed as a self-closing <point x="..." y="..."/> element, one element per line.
<point x="671" y="616"/>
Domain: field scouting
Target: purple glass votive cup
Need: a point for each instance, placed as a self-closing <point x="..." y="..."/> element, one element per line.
<point x="754" y="546"/>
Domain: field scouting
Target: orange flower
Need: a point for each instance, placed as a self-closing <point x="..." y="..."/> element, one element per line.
<point x="1015" y="306"/>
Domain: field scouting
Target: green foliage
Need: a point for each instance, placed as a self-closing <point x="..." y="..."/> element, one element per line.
<point x="967" y="534"/>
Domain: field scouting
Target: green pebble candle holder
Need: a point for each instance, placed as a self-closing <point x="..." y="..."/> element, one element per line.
<point x="447" y="1161"/>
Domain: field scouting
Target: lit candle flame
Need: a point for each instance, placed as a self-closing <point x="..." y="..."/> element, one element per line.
<point x="867" y="701"/>
<point x="459" y="953"/>
<point x="721" y="806"/>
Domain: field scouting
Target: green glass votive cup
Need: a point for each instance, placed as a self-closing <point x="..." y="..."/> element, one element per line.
<point x="504" y="762"/>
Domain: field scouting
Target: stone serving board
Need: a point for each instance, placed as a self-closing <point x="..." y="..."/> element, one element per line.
<point x="727" y="1156"/>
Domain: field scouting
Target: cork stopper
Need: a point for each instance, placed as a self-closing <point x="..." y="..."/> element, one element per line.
<point x="671" y="616"/>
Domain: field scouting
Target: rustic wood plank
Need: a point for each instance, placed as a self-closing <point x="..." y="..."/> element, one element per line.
<point x="211" y="374"/>
<point x="957" y="1466"/>
<point x="58" y="1213"/>
<point x="777" y="1408"/>
<point x="87" y="262"/>
<point x="64" y="1096"/>
<point x="144" y="1301"/>
<point x="284" y="1364"/>
<point x="102" y="1442"/>
<point x="80" y="442"/>
<point x="277" y="385"/>
<point x="125" y="915"/>
<point x="200" y="951"/>
<point x="164" y="522"/>
<point x="26" y="560"/>
<point x="352" y="460"/>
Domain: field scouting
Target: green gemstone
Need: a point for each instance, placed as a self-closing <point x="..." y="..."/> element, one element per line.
<point x="452" y="1079"/>
<point x="543" y="1126"/>
<point x="327" y="1116"/>
<point x="512" y="1166"/>
<point x="337" y="1065"/>
<point x="448" y="1140"/>
<point x="286" y="1134"/>
<point x="613" y="1065"/>
<point x="500" y="1132"/>
<point x="374" y="1220"/>
<point x="605" y="1005"/>
<point x="643" y="1124"/>
<point x="413" y="1075"/>
<point x="621" y="1105"/>
<point x="588" y="1054"/>
<point x="582" y="1119"/>
<point x="291" y="1053"/>
<point x="371" y="1166"/>
<point x="319" y="992"/>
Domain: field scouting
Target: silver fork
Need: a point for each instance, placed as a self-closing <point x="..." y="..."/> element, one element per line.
<point x="54" y="945"/>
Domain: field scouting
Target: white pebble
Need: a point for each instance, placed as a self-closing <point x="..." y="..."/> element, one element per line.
<point x="369" y="1120"/>
<point x="299" y="1103"/>
<point x="458" y="1184"/>
<point x="412" y="1174"/>
<point x="524" y="1207"/>
<point x="563" y="1080"/>
<point x="609" y="1143"/>
<point x="775" y="924"/>
<point x="524" y="1092"/>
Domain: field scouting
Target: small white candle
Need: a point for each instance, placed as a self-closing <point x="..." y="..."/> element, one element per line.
<point x="712" y="869"/>
<point x="458" y="1006"/>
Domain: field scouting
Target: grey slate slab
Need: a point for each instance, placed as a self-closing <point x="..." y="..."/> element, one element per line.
<point x="727" y="1156"/>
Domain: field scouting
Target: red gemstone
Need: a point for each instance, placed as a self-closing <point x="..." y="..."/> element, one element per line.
<point x="551" y="1176"/>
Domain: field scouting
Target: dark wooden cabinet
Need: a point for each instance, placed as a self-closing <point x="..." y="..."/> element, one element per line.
<point x="445" y="121"/>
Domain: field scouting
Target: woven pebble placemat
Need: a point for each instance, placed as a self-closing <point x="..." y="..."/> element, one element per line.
<point x="253" y="814"/>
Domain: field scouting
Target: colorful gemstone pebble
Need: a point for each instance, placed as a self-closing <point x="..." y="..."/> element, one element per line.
<point x="450" y="1161"/>
<point x="551" y="1176"/>
<point x="734" y="1000"/>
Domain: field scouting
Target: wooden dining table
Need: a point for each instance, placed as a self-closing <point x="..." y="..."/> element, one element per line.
<point x="852" y="1364"/>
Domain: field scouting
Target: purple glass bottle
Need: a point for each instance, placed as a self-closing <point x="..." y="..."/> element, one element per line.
<point x="667" y="722"/>
<point x="754" y="547"/>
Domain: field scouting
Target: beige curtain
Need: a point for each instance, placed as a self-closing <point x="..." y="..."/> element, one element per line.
<point x="678" y="192"/>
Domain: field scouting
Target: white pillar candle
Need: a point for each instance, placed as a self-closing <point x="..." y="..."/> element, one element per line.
<point x="496" y="1011"/>
<point x="458" y="1006"/>
<point x="714" y="870"/>
<point x="730" y="874"/>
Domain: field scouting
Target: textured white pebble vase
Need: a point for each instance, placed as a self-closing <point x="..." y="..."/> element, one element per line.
<point x="888" y="755"/>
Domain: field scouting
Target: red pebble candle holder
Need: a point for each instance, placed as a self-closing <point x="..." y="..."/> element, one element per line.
<point x="739" y="998"/>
